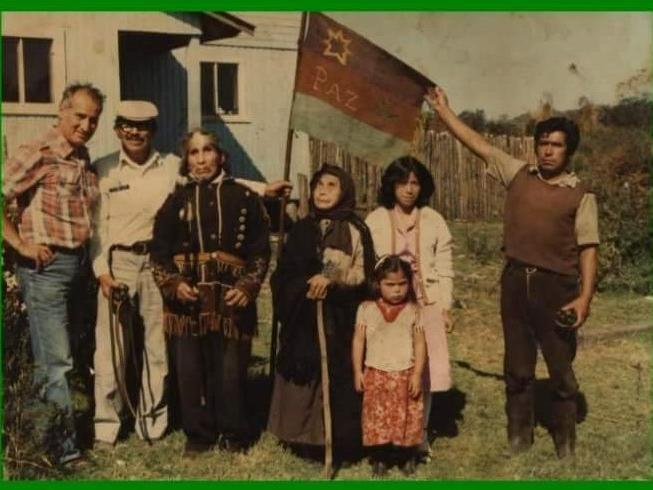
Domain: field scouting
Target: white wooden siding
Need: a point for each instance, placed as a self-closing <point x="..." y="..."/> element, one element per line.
<point x="268" y="62"/>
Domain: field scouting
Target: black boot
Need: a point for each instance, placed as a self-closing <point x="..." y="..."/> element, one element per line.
<point x="408" y="458"/>
<point x="564" y="427"/>
<point x="519" y="409"/>
<point x="379" y="459"/>
<point x="379" y="469"/>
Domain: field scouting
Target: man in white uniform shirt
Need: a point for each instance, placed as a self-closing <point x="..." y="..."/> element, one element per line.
<point x="134" y="182"/>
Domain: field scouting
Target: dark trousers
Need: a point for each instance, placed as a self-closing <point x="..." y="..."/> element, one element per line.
<point x="211" y="377"/>
<point x="530" y="298"/>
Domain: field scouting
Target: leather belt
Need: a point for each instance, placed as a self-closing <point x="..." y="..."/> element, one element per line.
<point x="66" y="250"/>
<point x="516" y="264"/>
<point x="218" y="255"/>
<point x="138" y="248"/>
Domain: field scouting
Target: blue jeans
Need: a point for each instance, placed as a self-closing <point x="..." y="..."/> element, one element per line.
<point x="46" y="293"/>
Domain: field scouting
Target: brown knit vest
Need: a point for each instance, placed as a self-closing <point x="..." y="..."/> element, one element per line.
<point x="539" y="223"/>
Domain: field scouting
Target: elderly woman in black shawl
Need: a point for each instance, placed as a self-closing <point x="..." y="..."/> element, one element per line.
<point x="328" y="256"/>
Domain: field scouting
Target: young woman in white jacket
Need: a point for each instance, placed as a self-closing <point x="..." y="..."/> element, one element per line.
<point x="404" y="225"/>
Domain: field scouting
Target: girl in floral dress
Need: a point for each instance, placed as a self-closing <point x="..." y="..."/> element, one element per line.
<point x="405" y="225"/>
<point x="388" y="354"/>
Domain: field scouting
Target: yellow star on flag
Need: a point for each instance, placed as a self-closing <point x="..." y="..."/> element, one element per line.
<point x="337" y="46"/>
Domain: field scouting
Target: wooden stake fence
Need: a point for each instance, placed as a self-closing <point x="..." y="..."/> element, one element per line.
<point x="463" y="189"/>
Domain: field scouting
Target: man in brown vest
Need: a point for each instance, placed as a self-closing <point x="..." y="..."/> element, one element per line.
<point x="550" y="244"/>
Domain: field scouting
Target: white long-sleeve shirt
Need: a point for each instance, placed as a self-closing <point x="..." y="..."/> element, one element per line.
<point x="434" y="259"/>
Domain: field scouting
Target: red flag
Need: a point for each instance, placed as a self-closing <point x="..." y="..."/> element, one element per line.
<point x="355" y="94"/>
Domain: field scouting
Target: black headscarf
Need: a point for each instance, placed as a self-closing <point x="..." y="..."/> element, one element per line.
<point x="337" y="234"/>
<point x="347" y="202"/>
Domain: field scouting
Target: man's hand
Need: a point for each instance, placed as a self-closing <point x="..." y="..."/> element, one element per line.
<point x="447" y="321"/>
<point x="278" y="188"/>
<point x="106" y="283"/>
<point x="415" y="384"/>
<point x="359" y="386"/>
<point x="437" y="99"/>
<point x="41" y="254"/>
<point x="186" y="293"/>
<point x="581" y="306"/>
<point x="317" y="287"/>
<point x="236" y="297"/>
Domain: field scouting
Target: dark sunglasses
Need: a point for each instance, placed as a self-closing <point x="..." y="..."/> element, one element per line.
<point x="134" y="125"/>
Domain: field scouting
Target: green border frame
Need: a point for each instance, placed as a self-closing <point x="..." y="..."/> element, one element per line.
<point x="326" y="5"/>
<point x="368" y="5"/>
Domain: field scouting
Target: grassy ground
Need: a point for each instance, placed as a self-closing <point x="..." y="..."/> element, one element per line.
<point x="614" y="373"/>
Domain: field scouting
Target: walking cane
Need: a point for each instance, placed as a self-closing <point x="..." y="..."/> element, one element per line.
<point x="326" y="398"/>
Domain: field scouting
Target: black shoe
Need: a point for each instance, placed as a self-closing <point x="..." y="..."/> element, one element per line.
<point x="379" y="469"/>
<point x="233" y="445"/>
<point x="73" y="460"/>
<point x="424" y="456"/>
<point x="408" y="468"/>
<point x="193" y="449"/>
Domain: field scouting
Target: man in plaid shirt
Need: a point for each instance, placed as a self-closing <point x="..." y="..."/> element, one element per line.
<point x="56" y="189"/>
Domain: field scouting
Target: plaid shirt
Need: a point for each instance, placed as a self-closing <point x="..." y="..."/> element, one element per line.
<point x="55" y="188"/>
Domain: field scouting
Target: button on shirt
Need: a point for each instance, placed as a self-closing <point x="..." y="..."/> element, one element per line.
<point x="56" y="190"/>
<point x="130" y="196"/>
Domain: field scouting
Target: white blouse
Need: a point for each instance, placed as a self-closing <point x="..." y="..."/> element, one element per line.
<point x="388" y="345"/>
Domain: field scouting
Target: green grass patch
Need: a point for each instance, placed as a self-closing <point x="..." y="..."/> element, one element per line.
<point x="614" y="374"/>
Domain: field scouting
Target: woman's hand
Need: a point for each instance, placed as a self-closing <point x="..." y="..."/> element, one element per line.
<point x="186" y="293"/>
<point x="317" y="287"/>
<point x="359" y="385"/>
<point x="236" y="297"/>
<point x="447" y="321"/>
<point x="415" y="384"/>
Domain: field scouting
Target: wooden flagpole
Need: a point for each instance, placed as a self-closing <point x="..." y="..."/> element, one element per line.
<point x="284" y="201"/>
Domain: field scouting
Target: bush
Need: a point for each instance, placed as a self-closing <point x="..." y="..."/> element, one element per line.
<point x="33" y="430"/>
<point x="615" y="161"/>
<point x="483" y="243"/>
<point x="633" y="112"/>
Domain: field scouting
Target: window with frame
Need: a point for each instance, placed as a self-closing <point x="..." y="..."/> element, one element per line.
<point x="26" y="69"/>
<point x="219" y="85"/>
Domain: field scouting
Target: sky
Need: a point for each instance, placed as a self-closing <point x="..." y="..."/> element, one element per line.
<point x="506" y="63"/>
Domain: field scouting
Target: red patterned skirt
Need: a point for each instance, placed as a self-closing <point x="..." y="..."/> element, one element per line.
<point x="390" y="415"/>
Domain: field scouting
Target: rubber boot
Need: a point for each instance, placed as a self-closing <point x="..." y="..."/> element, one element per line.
<point x="564" y="427"/>
<point x="519" y="409"/>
